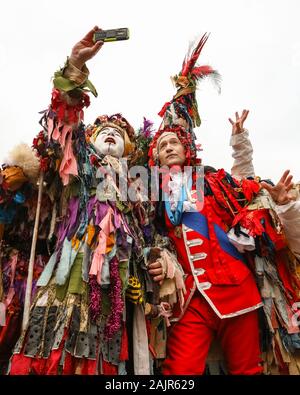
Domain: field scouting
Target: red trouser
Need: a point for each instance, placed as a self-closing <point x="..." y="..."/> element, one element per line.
<point x="189" y="341"/>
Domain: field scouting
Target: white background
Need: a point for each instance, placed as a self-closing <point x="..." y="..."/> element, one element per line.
<point x="254" y="44"/>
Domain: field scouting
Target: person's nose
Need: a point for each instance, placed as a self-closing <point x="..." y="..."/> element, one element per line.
<point x="169" y="148"/>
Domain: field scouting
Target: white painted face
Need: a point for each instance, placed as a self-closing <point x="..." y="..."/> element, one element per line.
<point x="110" y="142"/>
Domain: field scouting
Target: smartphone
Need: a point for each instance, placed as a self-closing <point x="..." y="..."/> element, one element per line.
<point x="111" y="35"/>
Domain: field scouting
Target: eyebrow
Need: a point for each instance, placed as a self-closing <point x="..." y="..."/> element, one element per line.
<point x="115" y="130"/>
<point x="164" y="142"/>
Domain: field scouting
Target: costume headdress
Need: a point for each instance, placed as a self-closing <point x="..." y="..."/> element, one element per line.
<point x="118" y="122"/>
<point x="181" y="115"/>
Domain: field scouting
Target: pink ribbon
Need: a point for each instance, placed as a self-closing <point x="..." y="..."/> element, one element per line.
<point x="68" y="164"/>
<point x="63" y="134"/>
<point x="107" y="227"/>
<point x="165" y="312"/>
<point x="50" y="125"/>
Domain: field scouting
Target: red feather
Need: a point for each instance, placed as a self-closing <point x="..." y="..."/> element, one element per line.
<point x="188" y="64"/>
<point x="202" y="71"/>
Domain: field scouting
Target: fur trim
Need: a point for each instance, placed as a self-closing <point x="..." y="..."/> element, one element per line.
<point x="23" y="156"/>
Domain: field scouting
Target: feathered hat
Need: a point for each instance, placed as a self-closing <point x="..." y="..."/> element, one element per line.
<point x="181" y="115"/>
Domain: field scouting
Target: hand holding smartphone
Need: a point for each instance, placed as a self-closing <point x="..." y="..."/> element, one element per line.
<point x="111" y="35"/>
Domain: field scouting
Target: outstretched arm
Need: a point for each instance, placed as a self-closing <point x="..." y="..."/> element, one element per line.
<point x="76" y="70"/>
<point x="85" y="49"/>
<point x="73" y="77"/>
<point x="63" y="119"/>
<point x="242" y="148"/>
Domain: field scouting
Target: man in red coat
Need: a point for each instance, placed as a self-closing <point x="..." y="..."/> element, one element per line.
<point x="222" y="298"/>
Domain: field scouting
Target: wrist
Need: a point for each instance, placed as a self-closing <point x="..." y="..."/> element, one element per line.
<point x="77" y="73"/>
<point x="238" y="131"/>
<point x="76" y="62"/>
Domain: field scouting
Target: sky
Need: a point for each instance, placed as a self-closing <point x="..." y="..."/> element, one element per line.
<point x="254" y="44"/>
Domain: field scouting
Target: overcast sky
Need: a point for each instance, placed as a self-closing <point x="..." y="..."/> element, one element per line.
<point x="254" y="44"/>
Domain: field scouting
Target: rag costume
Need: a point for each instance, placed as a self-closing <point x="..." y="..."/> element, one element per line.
<point x="222" y="238"/>
<point x="18" y="197"/>
<point x="282" y="354"/>
<point x="88" y="314"/>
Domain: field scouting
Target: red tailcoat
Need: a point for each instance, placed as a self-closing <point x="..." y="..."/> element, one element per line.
<point x="211" y="263"/>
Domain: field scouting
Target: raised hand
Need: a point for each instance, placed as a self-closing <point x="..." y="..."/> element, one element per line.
<point x="238" y="125"/>
<point x="280" y="192"/>
<point x="85" y="49"/>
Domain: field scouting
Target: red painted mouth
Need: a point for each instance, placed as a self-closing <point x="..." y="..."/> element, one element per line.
<point x="110" y="140"/>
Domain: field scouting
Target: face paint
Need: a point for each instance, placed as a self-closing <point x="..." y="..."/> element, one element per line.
<point x="170" y="150"/>
<point x="110" y="142"/>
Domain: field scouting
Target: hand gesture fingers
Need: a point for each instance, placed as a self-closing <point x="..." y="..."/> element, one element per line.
<point x="244" y="116"/>
<point x="238" y="125"/>
<point x="280" y="192"/>
<point x="288" y="182"/>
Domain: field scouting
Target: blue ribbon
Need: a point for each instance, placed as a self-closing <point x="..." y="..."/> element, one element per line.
<point x="176" y="216"/>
